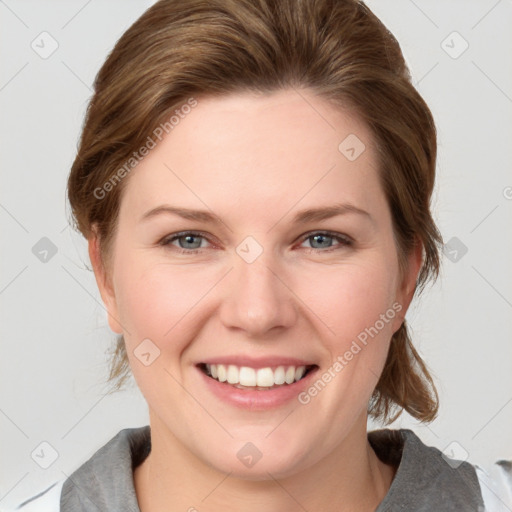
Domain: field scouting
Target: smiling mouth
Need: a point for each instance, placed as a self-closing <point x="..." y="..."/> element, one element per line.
<point x="262" y="379"/>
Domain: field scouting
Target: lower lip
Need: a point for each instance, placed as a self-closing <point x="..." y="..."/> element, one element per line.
<point x="254" y="399"/>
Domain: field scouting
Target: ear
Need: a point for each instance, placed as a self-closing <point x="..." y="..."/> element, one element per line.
<point x="103" y="280"/>
<point x="407" y="287"/>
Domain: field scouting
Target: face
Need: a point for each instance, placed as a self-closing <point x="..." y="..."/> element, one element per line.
<point x="291" y="263"/>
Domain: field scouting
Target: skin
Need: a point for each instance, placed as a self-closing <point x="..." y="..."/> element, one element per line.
<point x="255" y="160"/>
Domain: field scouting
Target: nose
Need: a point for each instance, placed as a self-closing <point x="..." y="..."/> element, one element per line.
<point x="258" y="298"/>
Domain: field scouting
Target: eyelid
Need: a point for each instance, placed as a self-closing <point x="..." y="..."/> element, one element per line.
<point x="332" y="234"/>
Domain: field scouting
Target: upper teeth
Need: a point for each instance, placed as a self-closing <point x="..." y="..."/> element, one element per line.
<point x="263" y="377"/>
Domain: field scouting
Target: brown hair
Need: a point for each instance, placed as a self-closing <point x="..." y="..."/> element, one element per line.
<point x="339" y="50"/>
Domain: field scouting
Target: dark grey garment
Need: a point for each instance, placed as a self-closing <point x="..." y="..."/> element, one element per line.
<point x="105" y="482"/>
<point x="424" y="481"/>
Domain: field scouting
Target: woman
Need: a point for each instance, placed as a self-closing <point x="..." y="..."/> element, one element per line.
<point x="254" y="182"/>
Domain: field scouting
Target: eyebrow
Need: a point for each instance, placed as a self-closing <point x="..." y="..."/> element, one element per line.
<point x="302" y="217"/>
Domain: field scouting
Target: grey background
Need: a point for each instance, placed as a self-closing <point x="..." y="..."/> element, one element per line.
<point x="54" y="332"/>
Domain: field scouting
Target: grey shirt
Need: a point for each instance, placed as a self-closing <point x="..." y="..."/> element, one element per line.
<point x="424" y="482"/>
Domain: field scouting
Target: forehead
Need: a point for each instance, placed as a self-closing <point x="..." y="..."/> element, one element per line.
<point x="246" y="150"/>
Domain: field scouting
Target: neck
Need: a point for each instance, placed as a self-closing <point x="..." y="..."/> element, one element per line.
<point x="351" y="478"/>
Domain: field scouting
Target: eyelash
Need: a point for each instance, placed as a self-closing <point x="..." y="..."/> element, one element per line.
<point x="344" y="240"/>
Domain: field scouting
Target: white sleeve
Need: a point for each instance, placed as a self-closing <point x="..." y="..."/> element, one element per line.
<point x="496" y="486"/>
<point x="46" y="501"/>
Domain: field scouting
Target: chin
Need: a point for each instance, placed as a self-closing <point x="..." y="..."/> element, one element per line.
<point x="247" y="462"/>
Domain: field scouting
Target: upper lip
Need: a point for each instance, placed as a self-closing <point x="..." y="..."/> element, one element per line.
<point x="257" y="362"/>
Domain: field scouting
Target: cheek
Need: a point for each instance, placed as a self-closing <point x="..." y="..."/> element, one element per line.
<point x="158" y="301"/>
<point x="357" y="305"/>
<point x="162" y="303"/>
<point x="350" y="298"/>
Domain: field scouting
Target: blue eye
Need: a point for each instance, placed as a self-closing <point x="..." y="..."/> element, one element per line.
<point x="325" y="239"/>
<point x="189" y="241"/>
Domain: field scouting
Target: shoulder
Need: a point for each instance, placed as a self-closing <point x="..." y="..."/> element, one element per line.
<point x="106" y="478"/>
<point x="496" y="485"/>
<point x="427" y="479"/>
